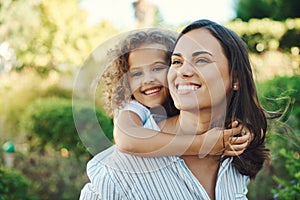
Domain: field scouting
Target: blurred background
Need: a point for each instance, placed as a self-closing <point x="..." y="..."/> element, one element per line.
<point x="44" y="45"/>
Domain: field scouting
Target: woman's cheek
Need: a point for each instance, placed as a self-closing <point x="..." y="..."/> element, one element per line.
<point x="171" y="77"/>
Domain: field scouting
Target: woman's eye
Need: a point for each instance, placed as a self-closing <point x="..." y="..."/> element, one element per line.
<point x="175" y="62"/>
<point x="202" y="60"/>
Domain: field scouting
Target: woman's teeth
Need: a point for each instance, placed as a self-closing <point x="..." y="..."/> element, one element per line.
<point x="188" y="87"/>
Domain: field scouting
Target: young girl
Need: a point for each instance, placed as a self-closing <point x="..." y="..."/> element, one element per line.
<point x="137" y="87"/>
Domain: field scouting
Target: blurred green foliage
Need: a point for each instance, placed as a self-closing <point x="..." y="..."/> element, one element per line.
<point x="288" y="188"/>
<point x="49" y="121"/>
<point x="50" y="35"/>
<point x="14" y="185"/>
<point x="52" y="174"/>
<point x="51" y="40"/>
<point x="281" y="94"/>
<point x="19" y="89"/>
<point x="262" y="35"/>
<point x="56" y="145"/>
<point x="274" y="9"/>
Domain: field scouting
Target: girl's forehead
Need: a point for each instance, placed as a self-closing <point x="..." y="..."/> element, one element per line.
<point x="143" y="57"/>
<point x="152" y="45"/>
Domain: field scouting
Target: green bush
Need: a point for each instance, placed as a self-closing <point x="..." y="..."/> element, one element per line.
<point x="289" y="188"/>
<point x="50" y="122"/>
<point x="14" y="186"/>
<point x="271" y="34"/>
<point x="52" y="175"/>
<point x="290" y="38"/>
<point x="281" y="94"/>
<point x="61" y="137"/>
<point x="17" y="97"/>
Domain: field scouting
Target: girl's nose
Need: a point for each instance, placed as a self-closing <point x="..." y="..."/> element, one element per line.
<point x="148" y="78"/>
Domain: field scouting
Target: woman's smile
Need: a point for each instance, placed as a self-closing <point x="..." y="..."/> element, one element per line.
<point x="185" y="88"/>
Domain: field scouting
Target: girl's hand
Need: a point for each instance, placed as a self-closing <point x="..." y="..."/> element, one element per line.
<point x="220" y="139"/>
<point x="229" y="142"/>
<point x="238" y="144"/>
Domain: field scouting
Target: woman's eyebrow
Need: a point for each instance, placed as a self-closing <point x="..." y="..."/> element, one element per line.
<point x="201" y="52"/>
<point x="194" y="54"/>
<point x="177" y="54"/>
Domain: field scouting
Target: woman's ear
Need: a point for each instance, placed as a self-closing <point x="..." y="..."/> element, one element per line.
<point x="235" y="86"/>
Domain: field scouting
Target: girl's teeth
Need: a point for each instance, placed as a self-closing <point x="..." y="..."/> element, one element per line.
<point x="151" y="91"/>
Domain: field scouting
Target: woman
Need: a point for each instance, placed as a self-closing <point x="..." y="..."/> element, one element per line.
<point x="211" y="63"/>
<point x="211" y="82"/>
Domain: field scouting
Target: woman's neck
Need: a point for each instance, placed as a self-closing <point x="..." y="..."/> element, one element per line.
<point x="198" y="122"/>
<point x="192" y="123"/>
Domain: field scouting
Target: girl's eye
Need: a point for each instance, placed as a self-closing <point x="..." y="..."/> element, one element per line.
<point x="159" y="67"/>
<point x="135" y="74"/>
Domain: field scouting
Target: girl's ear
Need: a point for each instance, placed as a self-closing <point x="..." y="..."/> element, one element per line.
<point x="235" y="86"/>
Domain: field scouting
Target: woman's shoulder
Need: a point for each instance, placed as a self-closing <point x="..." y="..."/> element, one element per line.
<point x="102" y="183"/>
<point x="113" y="161"/>
<point x="97" y="163"/>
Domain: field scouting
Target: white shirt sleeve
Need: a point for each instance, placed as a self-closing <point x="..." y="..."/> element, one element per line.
<point x="144" y="113"/>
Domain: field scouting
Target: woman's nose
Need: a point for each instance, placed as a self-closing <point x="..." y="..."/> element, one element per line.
<point x="186" y="70"/>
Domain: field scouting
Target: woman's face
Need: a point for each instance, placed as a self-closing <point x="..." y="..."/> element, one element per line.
<point x="148" y="74"/>
<point x="199" y="74"/>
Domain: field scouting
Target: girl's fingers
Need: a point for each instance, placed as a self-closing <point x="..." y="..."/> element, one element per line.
<point x="237" y="144"/>
<point x="232" y="132"/>
<point x="241" y="139"/>
<point x="233" y="153"/>
<point x="237" y="147"/>
<point x="234" y="124"/>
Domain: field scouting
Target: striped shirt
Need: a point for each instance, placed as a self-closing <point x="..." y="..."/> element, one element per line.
<point x="116" y="175"/>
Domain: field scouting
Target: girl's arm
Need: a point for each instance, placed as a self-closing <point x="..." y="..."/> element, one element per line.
<point x="131" y="137"/>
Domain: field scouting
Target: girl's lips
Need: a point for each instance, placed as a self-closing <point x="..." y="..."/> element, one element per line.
<point x="152" y="91"/>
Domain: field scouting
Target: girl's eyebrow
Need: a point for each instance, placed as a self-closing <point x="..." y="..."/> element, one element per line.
<point x="138" y="67"/>
<point x="134" y="66"/>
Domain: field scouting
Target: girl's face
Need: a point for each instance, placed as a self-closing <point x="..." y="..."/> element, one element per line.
<point x="199" y="73"/>
<point x="148" y="74"/>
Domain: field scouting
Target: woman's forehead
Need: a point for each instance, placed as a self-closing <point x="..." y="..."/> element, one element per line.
<point x="198" y="39"/>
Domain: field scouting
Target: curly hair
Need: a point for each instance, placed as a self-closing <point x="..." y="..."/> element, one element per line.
<point x="115" y="77"/>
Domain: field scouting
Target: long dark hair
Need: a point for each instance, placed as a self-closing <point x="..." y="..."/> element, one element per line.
<point x="243" y="105"/>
